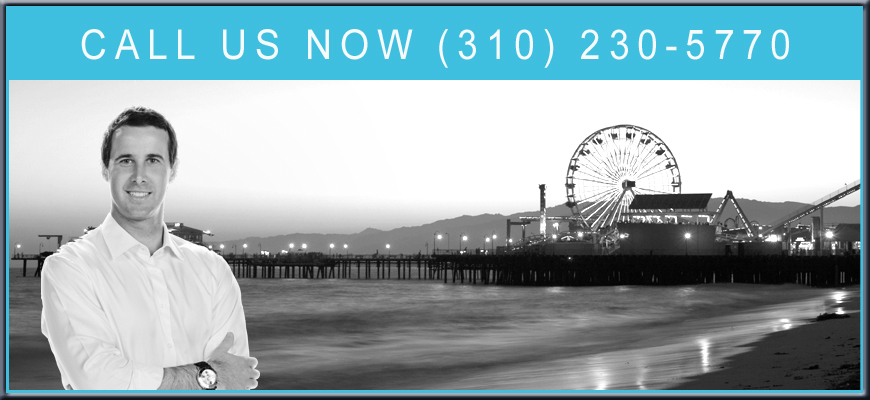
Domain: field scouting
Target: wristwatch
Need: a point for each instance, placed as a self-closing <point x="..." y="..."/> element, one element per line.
<point x="206" y="376"/>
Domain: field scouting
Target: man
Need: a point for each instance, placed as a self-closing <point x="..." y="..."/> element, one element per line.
<point x="130" y="306"/>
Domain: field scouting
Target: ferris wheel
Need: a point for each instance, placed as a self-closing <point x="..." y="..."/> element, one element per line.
<point x="613" y="165"/>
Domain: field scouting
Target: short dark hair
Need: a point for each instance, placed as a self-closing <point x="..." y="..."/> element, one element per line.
<point x="139" y="116"/>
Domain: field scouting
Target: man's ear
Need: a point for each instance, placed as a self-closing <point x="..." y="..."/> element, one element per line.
<point x="174" y="170"/>
<point x="105" y="172"/>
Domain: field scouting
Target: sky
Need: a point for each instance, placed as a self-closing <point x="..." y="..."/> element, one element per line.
<point x="265" y="158"/>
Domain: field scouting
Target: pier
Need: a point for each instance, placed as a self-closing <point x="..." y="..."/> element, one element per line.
<point x="550" y="270"/>
<point x="404" y="267"/>
<point x="25" y="259"/>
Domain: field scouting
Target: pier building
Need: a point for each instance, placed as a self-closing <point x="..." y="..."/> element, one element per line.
<point x="188" y="233"/>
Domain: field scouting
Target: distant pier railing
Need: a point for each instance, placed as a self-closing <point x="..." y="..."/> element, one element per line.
<point x="358" y="267"/>
<point x="548" y="270"/>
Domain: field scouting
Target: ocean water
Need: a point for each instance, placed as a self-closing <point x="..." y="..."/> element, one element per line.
<point x="360" y="335"/>
<point x="426" y="335"/>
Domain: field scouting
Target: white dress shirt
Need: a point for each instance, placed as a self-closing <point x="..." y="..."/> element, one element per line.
<point x="115" y="315"/>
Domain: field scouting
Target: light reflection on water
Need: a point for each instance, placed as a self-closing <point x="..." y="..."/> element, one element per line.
<point x="705" y="355"/>
<point x="641" y="373"/>
<point x="599" y="373"/>
<point x="781" y="325"/>
<point x="839" y="298"/>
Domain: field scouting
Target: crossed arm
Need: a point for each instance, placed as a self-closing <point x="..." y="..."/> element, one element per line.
<point x="234" y="372"/>
<point x="89" y="357"/>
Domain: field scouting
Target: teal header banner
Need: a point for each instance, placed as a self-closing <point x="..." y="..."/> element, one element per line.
<point x="434" y="42"/>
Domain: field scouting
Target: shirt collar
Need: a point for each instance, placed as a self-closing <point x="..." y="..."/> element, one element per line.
<point x="118" y="240"/>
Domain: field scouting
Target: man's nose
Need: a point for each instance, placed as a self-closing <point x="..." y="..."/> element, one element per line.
<point x="139" y="174"/>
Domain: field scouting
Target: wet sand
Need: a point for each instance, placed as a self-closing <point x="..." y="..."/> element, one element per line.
<point x="817" y="355"/>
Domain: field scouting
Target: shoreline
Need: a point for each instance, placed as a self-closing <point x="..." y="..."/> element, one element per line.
<point x="816" y="355"/>
<point x="810" y="356"/>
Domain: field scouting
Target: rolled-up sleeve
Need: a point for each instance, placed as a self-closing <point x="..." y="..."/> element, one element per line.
<point x="80" y="335"/>
<point x="227" y="312"/>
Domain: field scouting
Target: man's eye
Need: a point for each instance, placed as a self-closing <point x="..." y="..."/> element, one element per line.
<point x="125" y="161"/>
<point x="153" y="160"/>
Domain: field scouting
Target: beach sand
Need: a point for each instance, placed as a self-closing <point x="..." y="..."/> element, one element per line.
<point x="813" y="356"/>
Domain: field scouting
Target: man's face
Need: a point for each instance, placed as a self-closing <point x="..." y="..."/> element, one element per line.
<point x="139" y="173"/>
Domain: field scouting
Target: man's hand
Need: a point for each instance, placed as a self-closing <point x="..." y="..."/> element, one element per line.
<point x="234" y="372"/>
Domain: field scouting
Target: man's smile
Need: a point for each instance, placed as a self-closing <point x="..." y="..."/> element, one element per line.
<point x="138" y="193"/>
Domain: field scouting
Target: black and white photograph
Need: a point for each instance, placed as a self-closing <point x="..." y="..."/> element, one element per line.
<point x="429" y="235"/>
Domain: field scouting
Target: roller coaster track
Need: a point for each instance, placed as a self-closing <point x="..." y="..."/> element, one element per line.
<point x="812" y="207"/>
<point x="730" y="196"/>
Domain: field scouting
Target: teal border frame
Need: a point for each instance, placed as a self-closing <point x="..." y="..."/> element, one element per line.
<point x="836" y="52"/>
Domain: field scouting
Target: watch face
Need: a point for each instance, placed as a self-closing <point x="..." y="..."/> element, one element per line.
<point x="207" y="378"/>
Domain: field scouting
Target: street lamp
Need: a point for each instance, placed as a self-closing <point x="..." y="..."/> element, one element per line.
<point x="345" y="249"/>
<point x="687" y="236"/>
<point x="245" y="249"/>
<point x="40" y="247"/>
<point x="304" y="246"/>
<point x="18" y="248"/>
<point x="331" y="246"/>
<point x="439" y="236"/>
<point x="484" y="246"/>
<point x="234" y="249"/>
<point x="829" y="235"/>
<point x="494" y="237"/>
<point x="464" y="239"/>
<point x="222" y="249"/>
<point x="292" y="245"/>
<point x="388" y="249"/>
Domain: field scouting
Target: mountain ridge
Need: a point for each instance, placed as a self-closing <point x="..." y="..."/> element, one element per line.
<point x="422" y="238"/>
